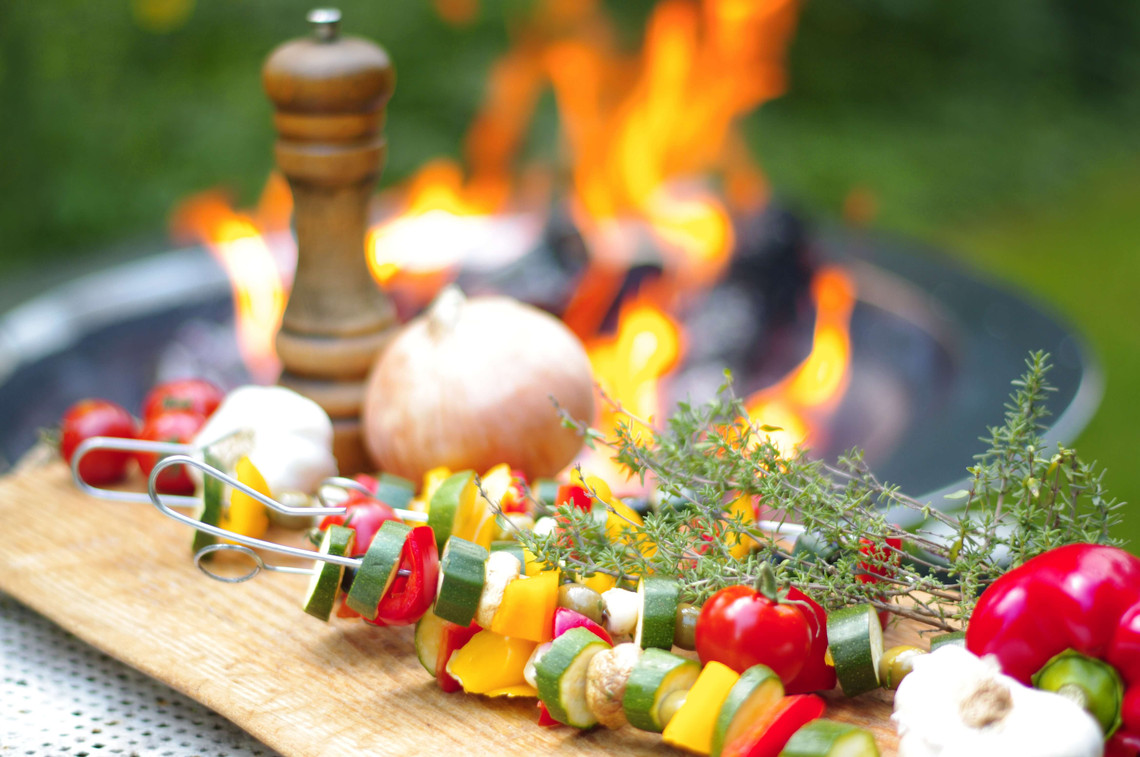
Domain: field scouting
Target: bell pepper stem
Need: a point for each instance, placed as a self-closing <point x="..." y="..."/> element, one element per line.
<point x="1093" y="684"/>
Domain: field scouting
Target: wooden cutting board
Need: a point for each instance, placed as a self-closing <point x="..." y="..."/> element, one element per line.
<point x="120" y="577"/>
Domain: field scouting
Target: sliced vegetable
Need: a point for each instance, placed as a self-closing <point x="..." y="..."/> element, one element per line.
<point x="452" y="638"/>
<point x="412" y="592"/>
<point x="489" y="661"/>
<point x="855" y="640"/>
<point x="828" y="738"/>
<point x="443" y="509"/>
<point x="956" y="637"/>
<point x="527" y="608"/>
<point x="692" y="727"/>
<point x="657" y="614"/>
<point x="325" y="583"/>
<point x="500" y="570"/>
<point x="461" y="581"/>
<point x="758" y="690"/>
<point x="210" y="511"/>
<point x="769" y="734"/>
<point x="1094" y="682"/>
<point x="378" y="569"/>
<point x="565" y="619"/>
<point x="428" y="636"/>
<point x="657" y="675"/>
<point x="394" y="491"/>
<point x="561" y="676"/>
<point x="245" y="514"/>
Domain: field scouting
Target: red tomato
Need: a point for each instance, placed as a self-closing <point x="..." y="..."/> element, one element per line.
<point x="88" y="418"/>
<point x="197" y="395"/>
<point x="741" y="627"/>
<point x="180" y="427"/>
<point x="816" y="674"/>
<point x="365" y="516"/>
<point x="882" y="559"/>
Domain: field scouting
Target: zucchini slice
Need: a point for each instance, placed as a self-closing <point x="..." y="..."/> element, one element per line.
<point x="657" y="675"/>
<point x="561" y="676"/>
<point x="325" y="583"/>
<point x="444" y="506"/>
<point x="429" y="633"/>
<point x="828" y="738"/>
<point x="461" y="579"/>
<point x="855" y="640"/>
<point x="756" y="691"/>
<point x="956" y="637"/>
<point x="657" y="615"/>
<point x="395" y="491"/>
<point x="210" y="510"/>
<point x="377" y="569"/>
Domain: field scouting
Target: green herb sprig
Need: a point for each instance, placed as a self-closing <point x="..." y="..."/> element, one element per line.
<point x="1025" y="497"/>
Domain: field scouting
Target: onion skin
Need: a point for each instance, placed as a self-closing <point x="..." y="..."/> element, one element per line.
<point x="469" y="385"/>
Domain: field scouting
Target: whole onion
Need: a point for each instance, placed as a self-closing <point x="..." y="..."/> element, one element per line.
<point x="469" y="385"/>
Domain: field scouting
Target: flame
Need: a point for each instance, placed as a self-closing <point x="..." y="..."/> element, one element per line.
<point x="817" y="385"/>
<point x="630" y="364"/>
<point x="239" y="242"/>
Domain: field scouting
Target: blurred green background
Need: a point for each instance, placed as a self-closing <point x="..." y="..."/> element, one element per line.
<point x="1005" y="133"/>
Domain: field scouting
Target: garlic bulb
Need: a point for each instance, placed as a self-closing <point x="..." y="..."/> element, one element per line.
<point x="955" y="704"/>
<point x="469" y="385"/>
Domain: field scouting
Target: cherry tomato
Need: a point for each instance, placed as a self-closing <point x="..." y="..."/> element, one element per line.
<point x="88" y="418"/>
<point x="365" y="516"/>
<point x="741" y="627"/>
<point x="179" y="426"/>
<point x="197" y="395"/>
<point x="882" y="559"/>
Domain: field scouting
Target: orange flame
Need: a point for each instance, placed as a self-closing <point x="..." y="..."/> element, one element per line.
<point x="817" y="385"/>
<point x="238" y="242"/>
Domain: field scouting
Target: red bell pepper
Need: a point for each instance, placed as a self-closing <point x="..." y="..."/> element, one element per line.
<point x="1081" y="597"/>
<point x="816" y="674"/>
<point x="453" y="637"/>
<point x="514" y="498"/>
<point x="576" y="495"/>
<point x="565" y="619"/>
<point x="545" y="719"/>
<point x="769" y="734"/>
<point x="411" y="594"/>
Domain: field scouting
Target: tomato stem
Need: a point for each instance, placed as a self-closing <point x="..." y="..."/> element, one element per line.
<point x="766" y="583"/>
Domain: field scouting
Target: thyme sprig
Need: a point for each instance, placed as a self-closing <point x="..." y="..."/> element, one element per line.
<point x="831" y="528"/>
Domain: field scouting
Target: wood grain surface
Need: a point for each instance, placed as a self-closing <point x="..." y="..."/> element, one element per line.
<point x="120" y="577"/>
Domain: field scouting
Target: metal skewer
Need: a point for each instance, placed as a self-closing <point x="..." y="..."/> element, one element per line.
<point x="129" y="445"/>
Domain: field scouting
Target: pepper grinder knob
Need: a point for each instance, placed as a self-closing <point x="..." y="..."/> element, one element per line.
<point x="329" y="93"/>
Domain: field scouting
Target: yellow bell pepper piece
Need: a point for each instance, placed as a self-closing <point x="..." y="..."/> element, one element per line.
<point x="475" y="520"/>
<point x="526" y="690"/>
<point x="741" y="508"/>
<point x="599" y="582"/>
<point x="245" y="514"/>
<point x="692" y="727"/>
<point x="533" y="566"/>
<point x="490" y="662"/>
<point x="527" y="609"/>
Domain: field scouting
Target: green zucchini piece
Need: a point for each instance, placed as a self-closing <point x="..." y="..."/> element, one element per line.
<point x="513" y="547"/>
<point x="657" y="616"/>
<point x="561" y="676"/>
<point x="210" y="510"/>
<point x="757" y="690"/>
<point x="395" y="491"/>
<point x="461" y="578"/>
<point x="429" y="632"/>
<point x="325" y="583"/>
<point x="855" y="640"/>
<point x="829" y="738"/>
<point x="444" y="506"/>
<point x="957" y="637"/>
<point x="657" y="675"/>
<point x="377" y="569"/>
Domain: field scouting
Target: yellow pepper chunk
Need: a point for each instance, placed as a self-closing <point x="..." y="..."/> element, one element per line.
<point x="527" y="609"/>
<point x="245" y="514"/>
<point x="475" y="520"/>
<point x="692" y="727"/>
<point x="526" y="690"/>
<point x="489" y="662"/>
<point x="599" y="582"/>
<point x="533" y="566"/>
<point x="740" y="508"/>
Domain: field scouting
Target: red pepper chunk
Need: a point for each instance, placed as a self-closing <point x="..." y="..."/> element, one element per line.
<point x="411" y="595"/>
<point x="454" y="636"/>
<point x="1084" y="597"/>
<point x="769" y="734"/>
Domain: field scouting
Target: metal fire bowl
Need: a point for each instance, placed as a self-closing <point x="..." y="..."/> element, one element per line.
<point x="934" y="348"/>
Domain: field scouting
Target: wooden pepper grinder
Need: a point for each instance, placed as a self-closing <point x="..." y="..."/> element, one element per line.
<point x="330" y="93"/>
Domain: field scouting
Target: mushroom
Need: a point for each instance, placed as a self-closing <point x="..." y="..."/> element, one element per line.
<point x="606" y="677"/>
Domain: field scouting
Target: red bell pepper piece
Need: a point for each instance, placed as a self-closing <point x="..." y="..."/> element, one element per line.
<point x="454" y="636"/>
<point x="576" y="495"/>
<point x="769" y="734"/>
<point x="565" y="619"/>
<point x="816" y="674"/>
<point x="544" y="718"/>
<point x="1083" y="597"/>
<point x="514" y="498"/>
<point x="411" y="595"/>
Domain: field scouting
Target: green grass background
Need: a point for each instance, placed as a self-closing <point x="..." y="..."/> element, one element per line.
<point x="1004" y="133"/>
